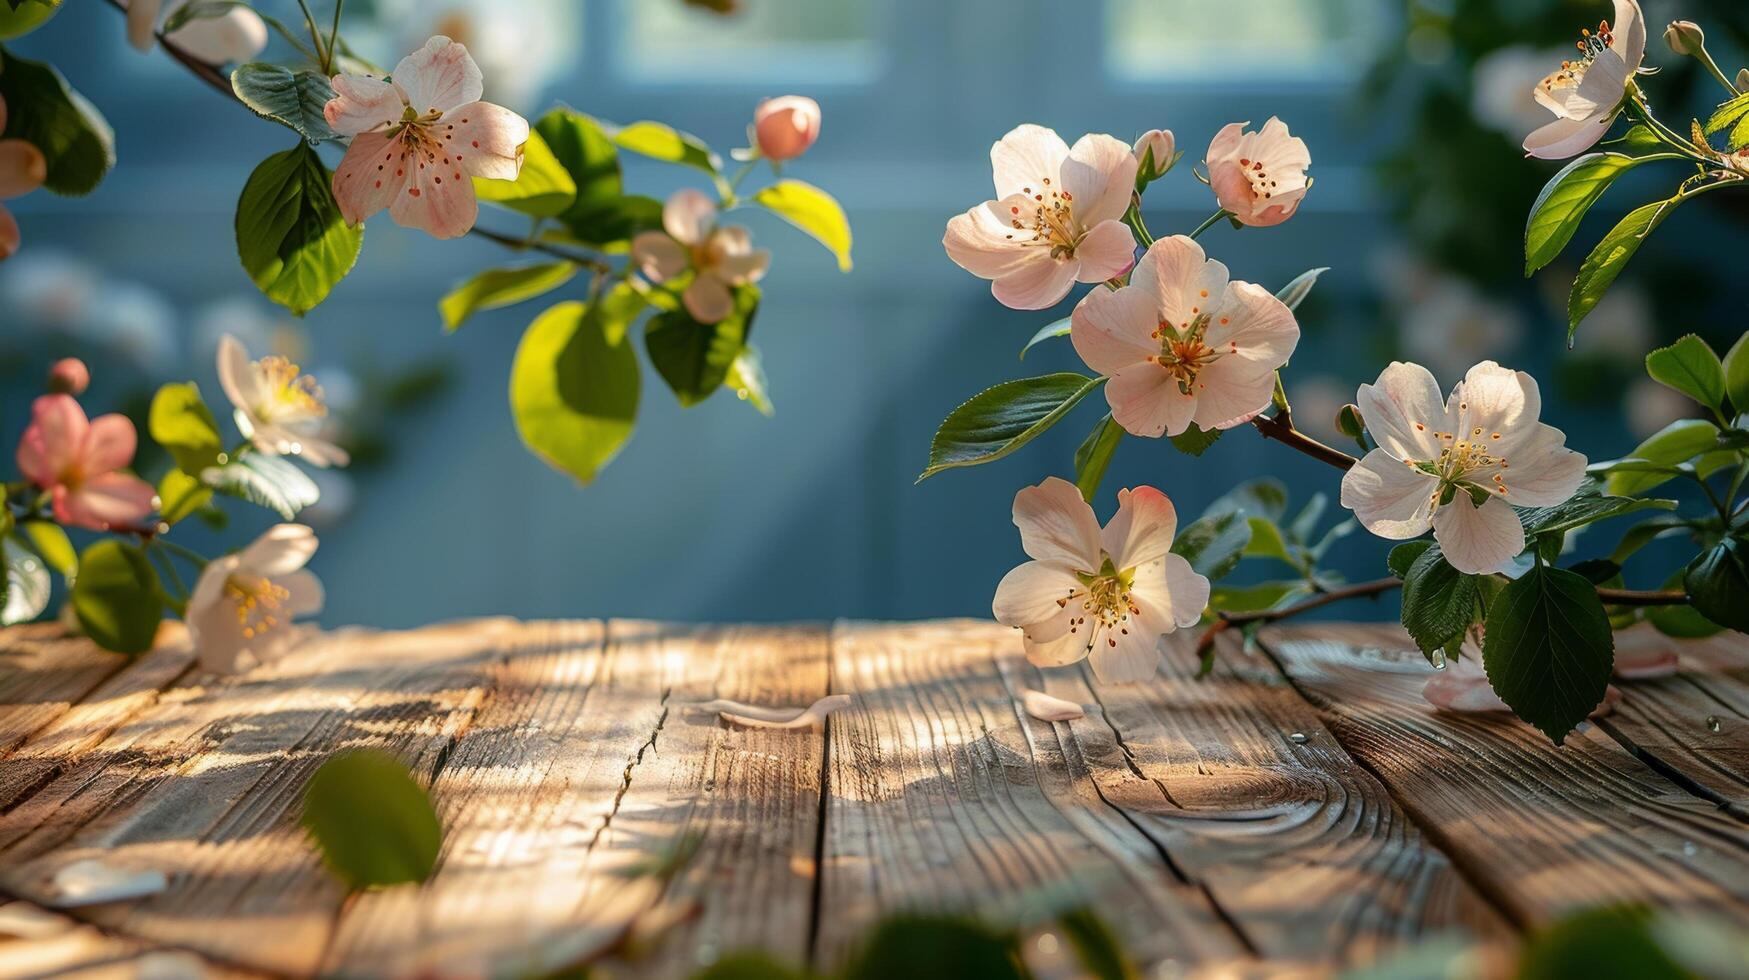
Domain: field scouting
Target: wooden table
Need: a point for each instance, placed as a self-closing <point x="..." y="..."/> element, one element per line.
<point x="1303" y="809"/>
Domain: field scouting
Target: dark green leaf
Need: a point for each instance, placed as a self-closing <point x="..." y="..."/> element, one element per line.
<point x="1194" y="441"/>
<point x="290" y="235"/>
<point x="265" y="481"/>
<point x="574" y="385"/>
<point x="1737" y="375"/>
<point x="1682" y="621"/>
<point x="1093" y="456"/>
<point x="663" y="142"/>
<point x="748" y="965"/>
<point x="25" y="587"/>
<point x="496" y="288"/>
<point x="293" y="99"/>
<point x="1213" y="544"/>
<point x="1691" y="367"/>
<point x="1055" y="328"/>
<point x="1612" y="941"/>
<point x="1548" y="649"/>
<point x="197" y="10"/>
<point x="596" y="214"/>
<point x="695" y="358"/>
<point x="180" y="422"/>
<point x="999" y="420"/>
<point x="1733" y="116"/>
<point x="1586" y="506"/>
<point x="1439" y="602"/>
<point x="1611" y="255"/>
<point x="918" y="947"/>
<point x="43" y="110"/>
<point x="813" y="211"/>
<point x="116" y="597"/>
<point x="1717" y="581"/>
<point x="372" y="822"/>
<point x="1566" y="197"/>
<point x="1097" y="948"/>
<point x="543" y="187"/>
<point x="1403" y="556"/>
<point x="1296" y="291"/>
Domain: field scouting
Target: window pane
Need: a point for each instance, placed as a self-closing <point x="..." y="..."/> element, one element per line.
<point x="1199" y="39"/>
<point x="807" y="40"/>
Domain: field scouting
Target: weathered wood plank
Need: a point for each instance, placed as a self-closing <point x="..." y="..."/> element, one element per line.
<point x="44" y="671"/>
<point x="944" y="794"/>
<point x="1540" y="829"/>
<point x="35" y="942"/>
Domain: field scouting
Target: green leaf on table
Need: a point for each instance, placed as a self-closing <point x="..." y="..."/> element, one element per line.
<point x="1587" y="506"/>
<point x="542" y="188"/>
<point x="1567" y="197"/>
<point x="695" y="358"/>
<point x="1098" y="949"/>
<point x="747" y="380"/>
<point x="181" y="494"/>
<point x="25" y="586"/>
<point x="1093" y="456"/>
<point x="662" y="142"/>
<point x="1604" y="264"/>
<point x="813" y="211"/>
<point x="1213" y="544"/>
<point x="1609" y="941"/>
<point x="497" y="288"/>
<point x="290" y="236"/>
<point x="922" y="946"/>
<point x="293" y="99"/>
<point x="1055" y="328"/>
<point x="1001" y="419"/>
<point x="1717" y="582"/>
<point x="1737" y="374"/>
<point x="1690" y="367"/>
<point x="77" y="144"/>
<point x="51" y="543"/>
<point x="371" y="820"/>
<point x="1654" y="461"/>
<point x="1263" y="497"/>
<point x="265" y="481"/>
<point x="1732" y="116"/>
<point x="1548" y="649"/>
<point x="1439" y="602"/>
<point x="180" y="421"/>
<point x="20" y="17"/>
<point x="749" y="965"/>
<point x="574" y="385"/>
<point x="1296" y="291"/>
<point x="117" y="598"/>
<point x="1194" y="441"/>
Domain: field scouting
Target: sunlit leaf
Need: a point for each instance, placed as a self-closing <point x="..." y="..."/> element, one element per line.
<point x="1001" y="419"/>
<point x="373" y="823"/>
<point x="813" y="211"/>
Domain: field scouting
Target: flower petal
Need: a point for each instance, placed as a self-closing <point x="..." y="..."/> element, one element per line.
<point x="1170" y="594"/>
<point x="369" y="177"/>
<point x="1112" y="329"/>
<point x="143" y="23"/>
<point x="54" y="440"/>
<point x="440" y="76"/>
<point x="1026" y="158"/>
<point x="1120" y="657"/>
<point x="1099" y="177"/>
<point x="1564" y="138"/>
<point x="658" y="256"/>
<point x="106" y="500"/>
<point x="1106" y="252"/>
<point x="708" y="299"/>
<point x="304" y="593"/>
<point x="1630" y="33"/>
<point x="1389" y="497"/>
<point x="1495" y="399"/>
<point x="1141" y="531"/>
<point x="1403" y="409"/>
<point x="739" y="269"/>
<point x="231" y="38"/>
<point x="1183" y="281"/>
<point x="1056" y="525"/>
<point x="487" y="139"/>
<point x="22" y="168"/>
<point x="1060" y="651"/>
<point x="1033" y="594"/>
<point x="1251" y="325"/>
<point x="437" y="200"/>
<point x="362" y="103"/>
<point x="1477" y="540"/>
<point x="688" y="216"/>
<point x="280" y="550"/>
<point x="1230" y="393"/>
<point x="1145" y="399"/>
<point x="1036" y="283"/>
<point x="985" y="243"/>
<point x="1542" y="471"/>
<point x="109" y="445"/>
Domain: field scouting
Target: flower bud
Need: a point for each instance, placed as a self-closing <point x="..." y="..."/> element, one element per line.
<point x="1154" y="153"/>
<point x="786" y="126"/>
<point x="1743" y="79"/>
<point x="1349" y="422"/>
<point x="1685" y="37"/>
<point x="69" y="376"/>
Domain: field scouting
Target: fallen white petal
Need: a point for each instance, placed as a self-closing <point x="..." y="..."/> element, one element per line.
<point x="1468" y="692"/>
<point x="758" y="716"/>
<point x="1047" y="708"/>
<point x="91" y="882"/>
<point x="1642" y="654"/>
<point x="22" y="920"/>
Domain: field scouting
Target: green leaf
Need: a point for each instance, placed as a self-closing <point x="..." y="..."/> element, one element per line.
<point x="1734" y="116"/>
<point x="293" y="99"/>
<point x="1737" y="375"/>
<point x="1717" y="582"/>
<point x="1586" y="506"/>
<point x="922" y="947"/>
<point x="1193" y="441"/>
<point x="1257" y="597"/>
<point x="695" y="358"/>
<point x="180" y="422"/>
<point x="290" y="235"/>
<point x="1549" y="649"/>
<point x="1097" y="948"/>
<point x="25" y="587"/>
<point x="999" y="420"/>
<point x="747" y="380"/>
<point x="1403" y="556"/>
<point x="20" y="17"/>
<point x="1611" y="255"/>
<point x="663" y="142"/>
<point x="582" y="147"/>
<point x="42" y="109"/>
<point x="1676" y="443"/>
<point x="1567" y="197"/>
<point x="1093" y="456"/>
<point x="748" y="965"/>
<point x="1439" y="602"/>
<point x="1639" y="139"/>
<point x="1690" y="367"/>
<point x="265" y="481"/>
<point x="574" y="385"/>
<point x="1610" y="941"/>
<point x="51" y="543"/>
<point x="372" y="822"/>
<point x="497" y="288"/>
<point x="1306" y="521"/>
<point x="1267" y="541"/>
<point x="1213" y="544"/>
<point x="1264" y="497"/>
<point x="1300" y="287"/>
<point x="1682" y="621"/>
<point x="180" y="494"/>
<point x="116" y="597"/>
<point x="813" y="211"/>
<point x="1055" y="328"/>
<point x="542" y="188"/>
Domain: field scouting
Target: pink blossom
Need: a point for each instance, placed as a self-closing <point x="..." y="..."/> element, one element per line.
<point x="786" y="126"/>
<point x="418" y="139"/>
<point x="1260" y="177"/>
<point x="77" y="461"/>
<point x="22" y="170"/>
<point x="721" y="257"/>
<point x="69" y="376"/>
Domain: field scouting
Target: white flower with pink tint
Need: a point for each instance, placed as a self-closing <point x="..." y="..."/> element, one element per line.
<point x="228" y="35"/>
<point x="1182" y="344"/>
<point x="1156" y="151"/>
<point x="78" y="462"/>
<point x="243" y="606"/>
<point x="1586" y="93"/>
<point x="22" y="170"/>
<point x="720" y="257"/>
<point x="1102" y="594"/>
<point x="417" y="138"/>
<point x="1260" y="177"/>
<point x="1458" y="466"/>
<point x="1056" y="220"/>
<point x="276" y="406"/>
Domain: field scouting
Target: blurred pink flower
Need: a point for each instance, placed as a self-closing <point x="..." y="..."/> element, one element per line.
<point x="1585" y="94"/>
<point x="786" y="126"/>
<point x="1260" y="177"/>
<point x="77" y="461"/>
<point x="69" y="376"/>
<point x="232" y="35"/>
<point x="22" y="170"/>
<point x="417" y="139"/>
<point x="721" y="257"/>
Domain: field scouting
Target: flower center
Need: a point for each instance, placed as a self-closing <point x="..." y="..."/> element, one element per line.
<point x="1105" y="596"/>
<point x="1468" y="462"/>
<point x="256" y="599"/>
<point x="1571" y="73"/>
<point x="1262" y="184"/>
<point x="287" y="394"/>
<point x="1050" y="220"/>
<point x="1183" y="351"/>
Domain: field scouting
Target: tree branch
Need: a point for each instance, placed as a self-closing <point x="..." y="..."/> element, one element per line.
<point x="1280" y="427"/>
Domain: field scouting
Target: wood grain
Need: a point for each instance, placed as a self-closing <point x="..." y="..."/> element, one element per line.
<point x="1541" y="830"/>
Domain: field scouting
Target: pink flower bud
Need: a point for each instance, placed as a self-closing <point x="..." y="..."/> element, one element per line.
<point x="1162" y="145"/>
<point x="786" y="126"/>
<point x="69" y="376"/>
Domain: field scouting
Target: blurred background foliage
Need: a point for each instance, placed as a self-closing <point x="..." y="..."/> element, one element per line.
<point x="1413" y="110"/>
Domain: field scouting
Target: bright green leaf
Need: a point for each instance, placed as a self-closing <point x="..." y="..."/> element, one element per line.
<point x="1055" y="328"/>
<point x="1567" y="197"/>
<point x="43" y="110"/>
<point x="1267" y="541"/>
<point x="290" y="236"/>
<point x="1296" y="291"/>
<point x="542" y="188"/>
<point x="496" y="288"/>
<point x="1717" y="582"/>
<point x="1257" y="597"/>
<point x="574" y="386"/>
<point x="116" y="597"/>
<point x="293" y="99"/>
<point x="695" y="358"/>
<point x="1737" y="374"/>
<point x="813" y="211"/>
<point x="49" y="541"/>
<point x="1733" y="116"/>
<point x="371" y="820"/>
<point x="1093" y="456"/>
<point x="999" y="420"/>
<point x="20" y="17"/>
<point x="1611" y="255"/>
<point x="180" y="422"/>
<point x="1690" y="367"/>
<point x="1677" y="442"/>
<point x="265" y="481"/>
<point x="662" y="142"/>
<point x="747" y="380"/>
<point x="180" y="494"/>
<point x="1548" y="649"/>
<point x="582" y="147"/>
